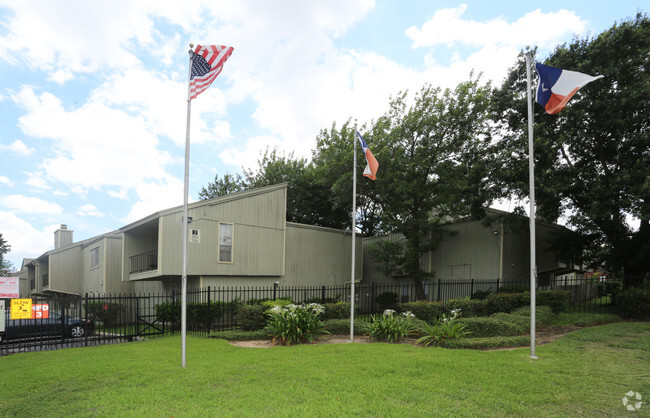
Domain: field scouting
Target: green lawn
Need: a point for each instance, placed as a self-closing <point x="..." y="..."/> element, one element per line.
<point x="586" y="373"/>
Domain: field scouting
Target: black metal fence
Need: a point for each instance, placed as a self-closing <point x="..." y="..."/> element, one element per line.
<point x="60" y="322"/>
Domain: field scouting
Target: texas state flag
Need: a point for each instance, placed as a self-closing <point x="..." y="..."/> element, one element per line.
<point x="372" y="164"/>
<point x="557" y="87"/>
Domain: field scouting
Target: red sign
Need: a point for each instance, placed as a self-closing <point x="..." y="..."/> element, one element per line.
<point x="40" y="311"/>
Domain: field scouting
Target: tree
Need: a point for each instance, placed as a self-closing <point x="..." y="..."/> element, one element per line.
<point x="591" y="159"/>
<point x="308" y="197"/>
<point x="432" y="155"/>
<point x="6" y="268"/>
<point x="229" y="183"/>
<point x="333" y="162"/>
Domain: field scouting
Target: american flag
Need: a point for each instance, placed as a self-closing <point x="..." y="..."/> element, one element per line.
<point x="207" y="64"/>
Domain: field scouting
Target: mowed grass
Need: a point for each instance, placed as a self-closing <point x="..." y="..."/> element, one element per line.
<point x="585" y="373"/>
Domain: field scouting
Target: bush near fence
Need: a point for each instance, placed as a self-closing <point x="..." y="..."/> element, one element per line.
<point x="633" y="303"/>
<point x="107" y="313"/>
<point x="199" y="315"/>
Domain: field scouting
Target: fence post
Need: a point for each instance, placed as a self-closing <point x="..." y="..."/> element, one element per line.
<point x="209" y="321"/>
<point x="471" y="289"/>
<point x="173" y="310"/>
<point x="85" y="315"/>
<point x="275" y="290"/>
<point x="438" y="290"/>
<point x="497" y="291"/>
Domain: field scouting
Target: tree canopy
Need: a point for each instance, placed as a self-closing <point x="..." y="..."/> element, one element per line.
<point x="5" y="265"/>
<point x="445" y="154"/>
<point x="591" y="159"/>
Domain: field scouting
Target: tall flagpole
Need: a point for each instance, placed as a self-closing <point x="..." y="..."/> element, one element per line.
<point x="354" y="227"/>
<point x="184" y="219"/>
<point x="531" y="217"/>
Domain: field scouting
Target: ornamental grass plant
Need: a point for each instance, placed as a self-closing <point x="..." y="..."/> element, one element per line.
<point x="392" y="328"/>
<point x="295" y="324"/>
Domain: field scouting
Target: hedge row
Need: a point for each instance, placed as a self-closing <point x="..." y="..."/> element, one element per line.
<point x="557" y="301"/>
<point x="199" y="315"/>
<point x="254" y="317"/>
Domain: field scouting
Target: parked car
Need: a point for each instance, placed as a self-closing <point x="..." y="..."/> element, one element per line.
<point x="55" y="325"/>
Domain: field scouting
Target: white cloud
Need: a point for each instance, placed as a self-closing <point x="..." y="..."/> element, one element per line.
<point x="535" y="28"/>
<point x="25" y="240"/>
<point x="89" y="210"/>
<point x="94" y="146"/>
<point x="71" y="35"/>
<point x="19" y="147"/>
<point x="154" y="197"/>
<point x="24" y="204"/>
<point x="5" y="180"/>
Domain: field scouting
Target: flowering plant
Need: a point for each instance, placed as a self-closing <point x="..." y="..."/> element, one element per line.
<point x="390" y="327"/>
<point x="445" y="328"/>
<point x="293" y="324"/>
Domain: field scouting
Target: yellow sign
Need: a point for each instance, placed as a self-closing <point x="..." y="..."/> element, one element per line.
<point x="21" y="308"/>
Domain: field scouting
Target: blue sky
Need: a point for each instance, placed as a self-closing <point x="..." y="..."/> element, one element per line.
<point x="93" y="94"/>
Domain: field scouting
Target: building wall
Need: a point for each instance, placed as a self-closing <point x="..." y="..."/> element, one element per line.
<point x="320" y="256"/>
<point x="315" y="256"/>
<point x="472" y="252"/>
<point x="479" y="251"/>
<point x="258" y="236"/>
<point x="64" y="270"/>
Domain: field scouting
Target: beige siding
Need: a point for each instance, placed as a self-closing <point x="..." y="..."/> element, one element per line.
<point x="93" y="277"/>
<point x="320" y="256"/>
<point x="471" y="253"/>
<point x="64" y="273"/>
<point x="258" y="237"/>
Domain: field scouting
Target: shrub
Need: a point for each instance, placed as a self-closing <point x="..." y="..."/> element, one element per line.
<point x="105" y="312"/>
<point x="339" y="310"/>
<point x="504" y="302"/>
<point x="295" y="323"/>
<point x="321" y="301"/>
<point x="557" y="300"/>
<point x="423" y="310"/>
<point x="544" y="316"/>
<point x="239" y="335"/>
<point x="271" y="303"/>
<point x="390" y="327"/>
<point x="387" y="300"/>
<point x="493" y="326"/>
<point x="169" y="312"/>
<point x="633" y="303"/>
<point x="487" y="343"/>
<point x="582" y="319"/>
<point x="342" y="327"/>
<point x="469" y="307"/>
<point x="199" y="315"/>
<point x="481" y="294"/>
<point x="251" y="317"/>
<point x="446" y="328"/>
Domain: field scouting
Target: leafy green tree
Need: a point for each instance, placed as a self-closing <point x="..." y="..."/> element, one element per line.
<point x="6" y="268"/>
<point x="433" y="163"/>
<point x="591" y="159"/>
<point x="229" y="183"/>
<point x="308" y="197"/>
<point x="333" y="165"/>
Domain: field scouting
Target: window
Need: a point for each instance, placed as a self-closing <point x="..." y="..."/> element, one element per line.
<point x="94" y="257"/>
<point x="225" y="243"/>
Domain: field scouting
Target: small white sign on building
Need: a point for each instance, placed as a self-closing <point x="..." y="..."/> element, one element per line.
<point x="195" y="236"/>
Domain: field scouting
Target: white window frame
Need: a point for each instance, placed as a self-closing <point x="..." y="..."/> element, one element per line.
<point x="94" y="260"/>
<point x="219" y="243"/>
